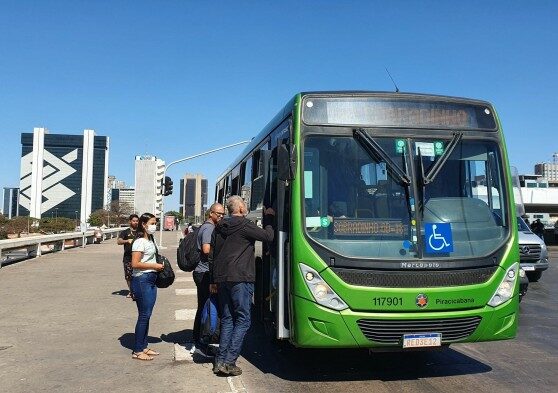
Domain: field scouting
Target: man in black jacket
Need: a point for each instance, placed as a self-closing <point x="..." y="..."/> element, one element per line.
<point x="234" y="273"/>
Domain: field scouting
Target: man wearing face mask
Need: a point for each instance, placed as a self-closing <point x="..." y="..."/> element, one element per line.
<point x="126" y="238"/>
<point x="234" y="273"/>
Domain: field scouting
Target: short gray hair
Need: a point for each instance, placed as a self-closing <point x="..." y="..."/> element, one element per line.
<point x="234" y="203"/>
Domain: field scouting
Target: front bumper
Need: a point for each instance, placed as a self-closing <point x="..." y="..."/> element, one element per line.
<point x="315" y="326"/>
<point x="530" y="265"/>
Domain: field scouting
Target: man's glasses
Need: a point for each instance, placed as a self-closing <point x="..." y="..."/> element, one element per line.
<point x="219" y="214"/>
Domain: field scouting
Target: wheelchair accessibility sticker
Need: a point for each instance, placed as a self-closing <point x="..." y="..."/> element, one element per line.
<point x="438" y="238"/>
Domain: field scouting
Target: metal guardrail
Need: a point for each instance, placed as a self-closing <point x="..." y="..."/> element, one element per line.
<point x="34" y="246"/>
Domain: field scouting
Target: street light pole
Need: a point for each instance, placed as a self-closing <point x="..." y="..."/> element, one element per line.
<point x="182" y="160"/>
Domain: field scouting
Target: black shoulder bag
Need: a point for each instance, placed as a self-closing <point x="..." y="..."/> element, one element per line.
<point x="165" y="277"/>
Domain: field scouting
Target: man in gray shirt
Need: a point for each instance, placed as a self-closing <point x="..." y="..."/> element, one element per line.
<point x="201" y="272"/>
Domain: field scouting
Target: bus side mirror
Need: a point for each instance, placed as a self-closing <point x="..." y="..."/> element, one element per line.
<point x="285" y="162"/>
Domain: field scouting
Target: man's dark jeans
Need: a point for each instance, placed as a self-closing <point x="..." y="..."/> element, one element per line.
<point x="235" y="299"/>
<point x="202" y="283"/>
<point x="145" y="292"/>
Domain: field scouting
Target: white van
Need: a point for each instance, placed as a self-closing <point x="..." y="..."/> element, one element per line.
<point x="533" y="254"/>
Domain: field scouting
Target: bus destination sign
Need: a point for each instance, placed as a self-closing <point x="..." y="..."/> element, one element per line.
<point x="368" y="227"/>
<point x="381" y="112"/>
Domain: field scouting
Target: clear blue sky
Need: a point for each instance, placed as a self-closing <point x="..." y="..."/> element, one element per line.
<point x="173" y="78"/>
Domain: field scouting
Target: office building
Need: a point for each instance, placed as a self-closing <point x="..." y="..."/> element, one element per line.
<point x="548" y="170"/>
<point x="193" y="197"/>
<point x="63" y="175"/>
<point x="125" y="199"/>
<point x="11" y="202"/>
<point x="149" y="172"/>
<point x="112" y="184"/>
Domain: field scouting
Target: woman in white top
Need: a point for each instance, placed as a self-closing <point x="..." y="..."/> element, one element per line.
<point x="144" y="274"/>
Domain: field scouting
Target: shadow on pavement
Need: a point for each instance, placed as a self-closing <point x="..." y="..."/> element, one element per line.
<point x="296" y="364"/>
<point x="122" y="292"/>
<point x="127" y="340"/>
<point x="179" y="337"/>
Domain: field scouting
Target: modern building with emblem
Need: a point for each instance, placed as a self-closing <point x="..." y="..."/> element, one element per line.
<point x="193" y="197"/>
<point x="66" y="174"/>
<point x="11" y="202"/>
<point x="149" y="174"/>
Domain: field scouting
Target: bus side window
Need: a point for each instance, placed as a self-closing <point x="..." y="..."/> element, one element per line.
<point x="260" y="163"/>
<point x="246" y="181"/>
<point x="235" y="190"/>
<point x="220" y="191"/>
<point x="228" y="187"/>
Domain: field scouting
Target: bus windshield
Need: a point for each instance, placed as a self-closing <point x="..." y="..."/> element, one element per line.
<point x="357" y="205"/>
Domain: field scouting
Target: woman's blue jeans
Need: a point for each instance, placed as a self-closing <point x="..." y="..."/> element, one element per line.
<point x="145" y="293"/>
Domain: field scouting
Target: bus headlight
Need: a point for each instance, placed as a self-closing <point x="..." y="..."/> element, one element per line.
<point x="322" y="293"/>
<point x="504" y="292"/>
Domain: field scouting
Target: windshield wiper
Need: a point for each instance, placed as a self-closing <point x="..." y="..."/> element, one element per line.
<point x="431" y="174"/>
<point x="421" y="183"/>
<point x="380" y="155"/>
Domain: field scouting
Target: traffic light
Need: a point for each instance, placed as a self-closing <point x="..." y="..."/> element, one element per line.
<point x="168" y="186"/>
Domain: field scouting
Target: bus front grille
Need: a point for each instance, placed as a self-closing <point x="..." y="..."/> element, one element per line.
<point x="391" y="332"/>
<point x="415" y="279"/>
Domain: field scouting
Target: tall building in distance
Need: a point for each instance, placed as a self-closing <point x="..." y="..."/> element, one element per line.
<point x="149" y="172"/>
<point x="125" y="199"/>
<point x="63" y="174"/>
<point x="193" y="197"/>
<point x="548" y="170"/>
<point x="114" y="184"/>
<point x="11" y="202"/>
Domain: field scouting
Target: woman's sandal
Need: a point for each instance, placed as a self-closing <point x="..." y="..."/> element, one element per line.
<point x="150" y="352"/>
<point x="141" y="356"/>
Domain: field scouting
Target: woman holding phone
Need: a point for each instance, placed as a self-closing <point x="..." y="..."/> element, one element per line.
<point x="144" y="274"/>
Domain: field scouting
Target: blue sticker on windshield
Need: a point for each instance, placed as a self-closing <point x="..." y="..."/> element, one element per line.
<point x="438" y="238"/>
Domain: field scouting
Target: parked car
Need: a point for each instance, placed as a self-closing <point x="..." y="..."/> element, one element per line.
<point x="533" y="254"/>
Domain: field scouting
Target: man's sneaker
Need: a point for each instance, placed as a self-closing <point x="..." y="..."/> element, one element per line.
<point x="233" y="369"/>
<point x="219" y="368"/>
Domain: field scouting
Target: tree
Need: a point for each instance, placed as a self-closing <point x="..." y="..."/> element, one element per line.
<point x="175" y="213"/>
<point x="57" y="225"/>
<point x="17" y="225"/>
<point x="98" y="218"/>
<point x="119" y="212"/>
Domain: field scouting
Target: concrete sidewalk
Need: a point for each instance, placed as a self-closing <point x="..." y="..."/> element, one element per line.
<point x="66" y="326"/>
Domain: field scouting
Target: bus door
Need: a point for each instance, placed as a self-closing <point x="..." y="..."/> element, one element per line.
<point x="276" y="255"/>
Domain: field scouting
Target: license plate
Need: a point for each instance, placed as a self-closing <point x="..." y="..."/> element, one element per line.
<point x="528" y="268"/>
<point x="422" y="340"/>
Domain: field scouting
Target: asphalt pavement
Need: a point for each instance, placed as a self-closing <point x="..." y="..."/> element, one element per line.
<point x="66" y="326"/>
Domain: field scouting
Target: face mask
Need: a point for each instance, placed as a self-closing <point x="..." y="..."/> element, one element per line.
<point x="151" y="229"/>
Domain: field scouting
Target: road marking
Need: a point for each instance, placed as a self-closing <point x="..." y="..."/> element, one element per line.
<point x="186" y="314"/>
<point x="186" y="292"/>
<point x="182" y="353"/>
<point x="184" y="279"/>
<point x="236" y="385"/>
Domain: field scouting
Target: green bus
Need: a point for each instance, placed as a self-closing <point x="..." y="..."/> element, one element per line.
<point x="394" y="221"/>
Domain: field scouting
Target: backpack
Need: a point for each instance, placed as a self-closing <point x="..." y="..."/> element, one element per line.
<point x="210" y="328"/>
<point x="187" y="253"/>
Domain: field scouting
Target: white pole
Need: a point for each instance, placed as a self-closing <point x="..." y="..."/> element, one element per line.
<point x="176" y="162"/>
